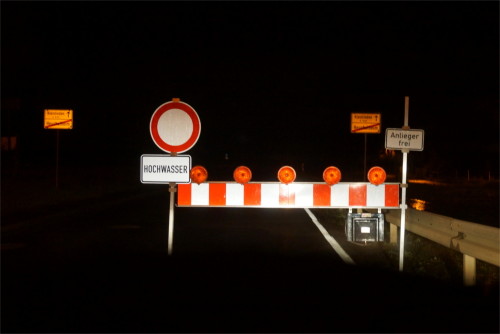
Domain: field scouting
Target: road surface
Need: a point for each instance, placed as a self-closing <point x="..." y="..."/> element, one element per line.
<point x="102" y="266"/>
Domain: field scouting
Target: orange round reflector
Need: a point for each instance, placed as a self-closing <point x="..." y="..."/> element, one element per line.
<point x="242" y="174"/>
<point x="286" y="174"/>
<point x="332" y="175"/>
<point x="376" y="175"/>
<point x="198" y="174"/>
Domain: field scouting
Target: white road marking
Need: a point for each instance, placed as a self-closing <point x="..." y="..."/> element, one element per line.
<point x="335" y="245"/>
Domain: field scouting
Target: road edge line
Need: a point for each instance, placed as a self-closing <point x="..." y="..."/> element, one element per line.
<point x="335" y="245"/>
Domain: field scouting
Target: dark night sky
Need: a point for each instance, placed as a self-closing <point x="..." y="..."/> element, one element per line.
<point x="273" y="82"/>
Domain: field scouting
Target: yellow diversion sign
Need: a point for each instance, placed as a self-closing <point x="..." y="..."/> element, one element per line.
<point x="58" y="119"/>
<point x="365" y="122"/>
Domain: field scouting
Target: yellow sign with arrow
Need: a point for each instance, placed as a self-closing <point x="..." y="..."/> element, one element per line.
<point x="58" y="119"/>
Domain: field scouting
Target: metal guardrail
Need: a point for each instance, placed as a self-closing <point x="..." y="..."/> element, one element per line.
<point x="474" y="241"/>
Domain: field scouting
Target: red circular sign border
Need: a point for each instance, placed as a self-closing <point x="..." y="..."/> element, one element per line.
<point x="153" y="127"/>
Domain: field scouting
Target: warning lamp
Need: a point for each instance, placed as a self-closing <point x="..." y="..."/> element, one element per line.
<point x="286" y="174"/>
<point x="376" y="175"/>
<point x="242" y="174"/>
<point x="198" y="174"/>
<point x="332" y="175"/>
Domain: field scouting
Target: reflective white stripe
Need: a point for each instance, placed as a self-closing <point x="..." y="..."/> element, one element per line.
<point x="375" y="195"/>
<point x="340" y="194"/>
<point x="335" y="245"/>
<point x="270" y="194"/>
<point x="199" y="194"/>
<point x="303" y="194"/>
<point x="234" y="194"/>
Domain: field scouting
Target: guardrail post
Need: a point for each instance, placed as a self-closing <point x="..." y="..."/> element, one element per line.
<point x="469" y="270"/>
<point x="393" y="236"/>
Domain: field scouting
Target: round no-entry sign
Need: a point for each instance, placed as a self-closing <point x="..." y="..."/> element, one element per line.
<point x="175" y="127"/>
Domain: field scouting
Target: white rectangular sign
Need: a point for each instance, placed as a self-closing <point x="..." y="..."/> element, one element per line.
<point x="400" y="139"/>
<point x="161" y="168"/>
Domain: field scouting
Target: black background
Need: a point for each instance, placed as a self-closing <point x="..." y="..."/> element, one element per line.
<point x="274" y="83"/>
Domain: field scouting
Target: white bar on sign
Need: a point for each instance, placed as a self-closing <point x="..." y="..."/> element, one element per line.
<point x="303" y="194"/>
<point x="199" y="194"/>
<point x="269" y="194"/>
<point x="234" y="194"/>
<point x="340" y="194"/>
<point x="365" y="229"/>
<point x="156" y="168"/>
<point x="375" y="195"/>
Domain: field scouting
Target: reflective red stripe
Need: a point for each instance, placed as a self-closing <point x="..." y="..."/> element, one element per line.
<point x="392" y="195"/>
<point x="252" y="194"/>
<point x="217" y="194"/>
<point x="321" y="194"/>
<point x="357" y="195"/>
<point x="184" y="194"/>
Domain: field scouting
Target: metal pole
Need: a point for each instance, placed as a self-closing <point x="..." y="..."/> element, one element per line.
<point x="403" y="191"/>
<point x="172" y="189"/>
<point x="57" y="158"/>
<point x="364" y="170"/>
<point x="403" y="213"/>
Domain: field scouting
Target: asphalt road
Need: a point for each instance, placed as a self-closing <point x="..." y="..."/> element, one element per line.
<point x="102" y="266"/>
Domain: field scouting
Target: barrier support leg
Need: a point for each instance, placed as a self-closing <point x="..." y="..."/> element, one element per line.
<point x="469" y="270"/>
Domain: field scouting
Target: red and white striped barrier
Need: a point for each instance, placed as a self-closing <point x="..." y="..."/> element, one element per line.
<point x="294" y="195"/>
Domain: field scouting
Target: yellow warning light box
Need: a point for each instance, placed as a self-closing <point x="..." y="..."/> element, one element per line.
<point x="58" y="119"/>
<point x="366" y="122"/>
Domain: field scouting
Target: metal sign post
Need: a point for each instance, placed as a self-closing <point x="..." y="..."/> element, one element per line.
<point x="364" y="165"/>
<point x="172" y="189"/>
<point x="57" y="158"/>
<point x="404" y="185"/>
